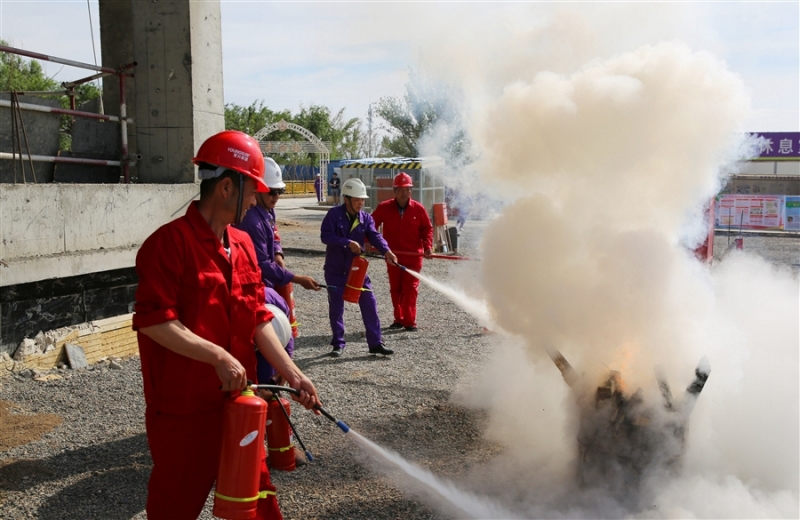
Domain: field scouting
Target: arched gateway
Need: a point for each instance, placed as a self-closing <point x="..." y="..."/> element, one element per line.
<point x="312" y="144"/>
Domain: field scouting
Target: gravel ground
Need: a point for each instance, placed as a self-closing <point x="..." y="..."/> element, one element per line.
<point x="95" y="463"/>
<point x="779" y="250"/>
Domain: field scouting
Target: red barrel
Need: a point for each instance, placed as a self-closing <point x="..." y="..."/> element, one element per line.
<point x="237" y="492"/>
<point x="355" y="280"/>
<point x="287" y="293"/>
<point x="280" y="441"/>
<point x="440" y="214"/>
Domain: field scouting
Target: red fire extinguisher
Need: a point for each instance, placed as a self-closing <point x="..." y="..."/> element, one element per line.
<point x="280" y="441"/>
<point x="355" y="280"/>
<point x="287" y="293"/>
<point x="237" y="492"/>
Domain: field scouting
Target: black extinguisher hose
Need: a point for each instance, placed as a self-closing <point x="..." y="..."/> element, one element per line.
<point x="291" y="425"/>
<point x="375" y="255"/>
<point x="275" y="389"/>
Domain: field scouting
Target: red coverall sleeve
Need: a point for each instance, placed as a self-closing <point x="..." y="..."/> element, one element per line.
<point x="262" y="313"/>
<point x="426" y="230"/>
<point x="159" y="266"/>
<point x="378" y="216"/>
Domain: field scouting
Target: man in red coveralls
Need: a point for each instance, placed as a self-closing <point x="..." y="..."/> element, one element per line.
<point x="408" y="231"/>
<point x="199" y="310"/>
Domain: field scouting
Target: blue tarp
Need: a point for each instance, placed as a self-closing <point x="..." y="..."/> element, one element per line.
<point x="292" y="172"/>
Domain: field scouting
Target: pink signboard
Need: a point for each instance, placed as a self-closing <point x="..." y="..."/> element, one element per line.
<point x="750" y="211"/>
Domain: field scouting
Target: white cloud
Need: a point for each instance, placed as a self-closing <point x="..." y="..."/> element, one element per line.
<point x="56" y="28"/>
<point x="346" y="54"/>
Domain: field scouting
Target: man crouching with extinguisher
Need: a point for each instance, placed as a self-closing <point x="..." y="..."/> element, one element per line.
<point x="199" y="310"/>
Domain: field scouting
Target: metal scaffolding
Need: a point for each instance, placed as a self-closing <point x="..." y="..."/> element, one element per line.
<point x="125" y="161"/>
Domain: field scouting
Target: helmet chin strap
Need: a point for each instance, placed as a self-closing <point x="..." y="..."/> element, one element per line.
<point x="240" y="200"/>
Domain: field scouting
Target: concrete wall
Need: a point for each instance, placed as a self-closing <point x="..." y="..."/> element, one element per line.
<point x="769" y="168"/>
<point x="59" y="230"/>
<point x="42" y="139"/>
<point x="176" y="97"/>
<point x="67" y="250"/>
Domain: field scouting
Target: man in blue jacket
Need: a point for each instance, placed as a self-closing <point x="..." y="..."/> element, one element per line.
<point x="343" y="231"/>
<point x="259" y="223"/>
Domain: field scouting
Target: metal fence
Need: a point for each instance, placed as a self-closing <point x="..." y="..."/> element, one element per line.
<point x="19" y="133"/>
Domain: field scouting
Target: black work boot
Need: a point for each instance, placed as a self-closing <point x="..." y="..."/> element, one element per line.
<point x="380" y="349"/>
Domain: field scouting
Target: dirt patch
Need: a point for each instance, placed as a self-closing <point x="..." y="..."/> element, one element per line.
<point x="290" y="223"/>
<point x="16" y="430"/>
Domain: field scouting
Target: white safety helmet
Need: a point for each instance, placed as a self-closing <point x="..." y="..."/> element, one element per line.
<point x="281" y="324"/>
<point x="272" y="174"/>
<point x="354" y="188"/>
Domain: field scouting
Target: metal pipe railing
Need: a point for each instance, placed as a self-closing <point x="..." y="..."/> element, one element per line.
<point x="75" y="83"/>
<point x="57" y="159"/>
<point x="62" y="111"/>
<point x="42" y="93"/>
<point x="71" y="63"/>
<point x="122" y="72"/>
<point x="123" y="130"/>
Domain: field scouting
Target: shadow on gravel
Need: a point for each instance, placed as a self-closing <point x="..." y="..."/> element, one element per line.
<point x="116" y="487"/>
<point x="326" y="359"/>
<point x="316" y="341"/>
<point x="112" y="495"/>
<point x="325" y="339"/>
<point x="438" y="435"/>
<point x="385" y="508"/>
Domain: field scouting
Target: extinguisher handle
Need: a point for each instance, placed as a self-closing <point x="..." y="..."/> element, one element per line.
<point x="276" y="388"/>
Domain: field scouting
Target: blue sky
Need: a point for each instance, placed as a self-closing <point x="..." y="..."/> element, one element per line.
<point x="350" y="54"/>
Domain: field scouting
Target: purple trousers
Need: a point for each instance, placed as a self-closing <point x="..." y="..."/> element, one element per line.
<point x="369" y="311"/>
<point x="266" y="374"/>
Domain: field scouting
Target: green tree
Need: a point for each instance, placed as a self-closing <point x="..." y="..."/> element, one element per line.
<point x="343" y="134"/>
<point x="18" y="74"/>
<point x="21" y="75"/>
<point x="427" y="110"/>
<point x="252" y="118"/>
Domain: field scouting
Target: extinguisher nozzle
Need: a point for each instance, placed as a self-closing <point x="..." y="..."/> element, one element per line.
<point x="309" y="457"/>
<point x="343" y="426"/>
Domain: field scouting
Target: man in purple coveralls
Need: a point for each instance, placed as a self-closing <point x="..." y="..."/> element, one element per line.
<point x="259" y="223"/>
<point x="318" y="187"/>
<point x="343" y="231"/>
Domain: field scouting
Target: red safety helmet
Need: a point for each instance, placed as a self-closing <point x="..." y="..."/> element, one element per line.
<point x="236" y="151"/>
<point x="402" y="180"/>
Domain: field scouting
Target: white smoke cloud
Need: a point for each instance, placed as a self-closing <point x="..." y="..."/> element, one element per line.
<point x="606" y="137"/>
<point x="607" y="170"/>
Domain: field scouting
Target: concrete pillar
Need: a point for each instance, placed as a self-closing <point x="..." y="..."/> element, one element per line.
<point x="176" y="97"/>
